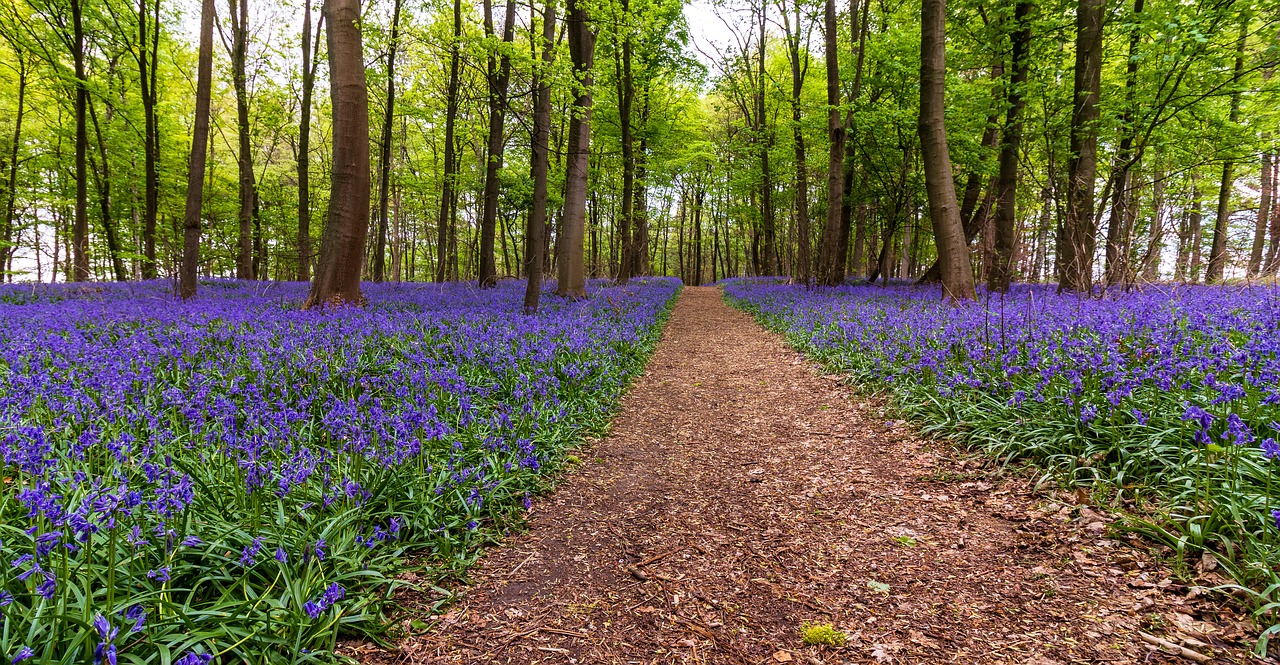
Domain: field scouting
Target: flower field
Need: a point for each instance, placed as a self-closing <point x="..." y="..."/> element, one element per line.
<point x="236" y="479"/>
<point x="1169" y="396"/>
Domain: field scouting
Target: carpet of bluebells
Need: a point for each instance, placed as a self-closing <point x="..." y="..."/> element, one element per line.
<point x="1169" y="395"/>
<point x="234" y="479"/>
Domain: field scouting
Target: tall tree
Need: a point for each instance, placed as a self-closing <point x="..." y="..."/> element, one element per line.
<point x="539" y="161"/>
<point x="948" y="232"/>
<point x="238" y="50"/>
<point x="1218" y="251"/>
<point x="346" y="227"/>
<point x="626" y="98"/>
<point x="199" y="153"/>
<point x="1001" y="274"/>
<point x="499" y="77"/>
<point x="582" y="45"/>
<point x="384" y="147"/>
<point x="448" y="189"/>
<point x="1117" y="258"/>
<point x="832" y="267"/>
<point x="148" y="54"/>
<point x="310" y="60"/>
<point x="1077" y="245"/>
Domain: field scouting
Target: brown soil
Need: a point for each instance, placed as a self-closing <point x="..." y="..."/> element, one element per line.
<point x="742" y="495"/>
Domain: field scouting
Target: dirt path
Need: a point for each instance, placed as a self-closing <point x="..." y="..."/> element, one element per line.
<point x="742" y="495"/>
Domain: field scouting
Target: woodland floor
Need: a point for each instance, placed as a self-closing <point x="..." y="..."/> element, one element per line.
<point x="741" y="495"/>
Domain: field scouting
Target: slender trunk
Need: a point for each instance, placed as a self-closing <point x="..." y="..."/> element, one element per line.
<point x="199" y="153"/>
<point x="498" y="77"/>
<point x="1218" y="253"/>
<point x="1256" y="264"/>
<point x="640" y="211"/>
<point x="1196" y="233"/>
<point x="858" y="40"/>
<point x="103" y="182"/>
<point x="239" y="14"/>
<point x="768" y="252"/>
<point x="346" y="227"/>
<point x="539" y="162"/>
<point x="384" y="153"/>
<point x="948" y="231"/>
<point x="150" y="143"/>
<point x="1273" y="251"/>
<point x="1000" y="273"/>
<point x="448" y="189"/>
<point x="804" y="262"/>
<point x="832" y="264"/>
<point x="1117" y="263"/>
<point x="626" y="96"/>
<point x="80" y="227"/>
<point x="304" y="142"/>
<point x="582" y="44"/>
<point x="8" y="246"/>
<point x="1078" y="244"/>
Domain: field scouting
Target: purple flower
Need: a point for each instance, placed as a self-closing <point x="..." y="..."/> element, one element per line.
<point x="319" y="549"/>
<point x="22" y="654"/>
<point x="1270" y="449"/>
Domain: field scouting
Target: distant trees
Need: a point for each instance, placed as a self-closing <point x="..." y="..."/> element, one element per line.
<point x="498" y="152"/>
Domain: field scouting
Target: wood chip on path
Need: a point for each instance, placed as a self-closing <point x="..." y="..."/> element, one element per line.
<point x="741" y="495"/>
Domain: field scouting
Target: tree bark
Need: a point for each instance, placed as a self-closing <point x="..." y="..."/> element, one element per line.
<point x="626" y="97"/>
<point x="582" y="44"/>
<point x="804" y="261"/>
<point x="239" y="15"/>
<point x="1256" y="264"/>
<point x="1000" y="273"/>
<point x="80" y="227"/>
<point x="1117" y="261"/>
<point x="9" y="242"/>
<point x="448" y="189"/>
<point x="384" y="153"/>
<point x="498" y="77"/>
<point x="1218" y="253"/>
<point x="199" y="153"/>
<point x="309" y="61"/>
<point x="948" y="232"/>
<point x="148" y="50"/>
<point x="832" y="270"/>
<point x="539" y="162"/>
<point x="1076" y="262"/>
<point x="346" y="227"/>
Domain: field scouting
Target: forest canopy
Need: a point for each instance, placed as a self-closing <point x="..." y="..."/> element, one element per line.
<point x="711" y="150"/>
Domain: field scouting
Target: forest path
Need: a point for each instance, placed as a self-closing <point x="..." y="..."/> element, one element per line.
<point x="741" y="495"/>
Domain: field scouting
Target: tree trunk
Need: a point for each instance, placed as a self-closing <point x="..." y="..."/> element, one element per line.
<point x="1218" y="253"/>
<point x="1155" y="243"/>
<point x="239" y="15"/>
<point x="626" y="96"/>
<point x="582" y="45"/>
<point x="858" y="40"/>
<point x="448" y="189"/>
<point x="7" y="241"/>
<point x="199" y="153"/>
<point x="1000" y="273"/>
<point x="948" y="232"/>
<point x="148" y="50"/>
<point x="832" y="270"/>
<point x="1273" y="251"/>
<point x="804" y="261"/>
<point x="1117" y="260"/>
<point x="1076" y="263"/>
<point x="384" y="152"/>
<point x="346" y="227"/>
<point x="498" y="78"/>
<point x="309" y="61"/>
<point x="1256" y="264"/>
<point x="539" y="162"/>
<point x="1197" y="235"/>
<point x="769" y="251"/>
<point x="103" y="182"/>
<point x="80" y="227"/>
<point x="640" y="209"/>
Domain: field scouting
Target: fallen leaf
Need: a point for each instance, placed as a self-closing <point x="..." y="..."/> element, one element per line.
<point x="782" y="657"/>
